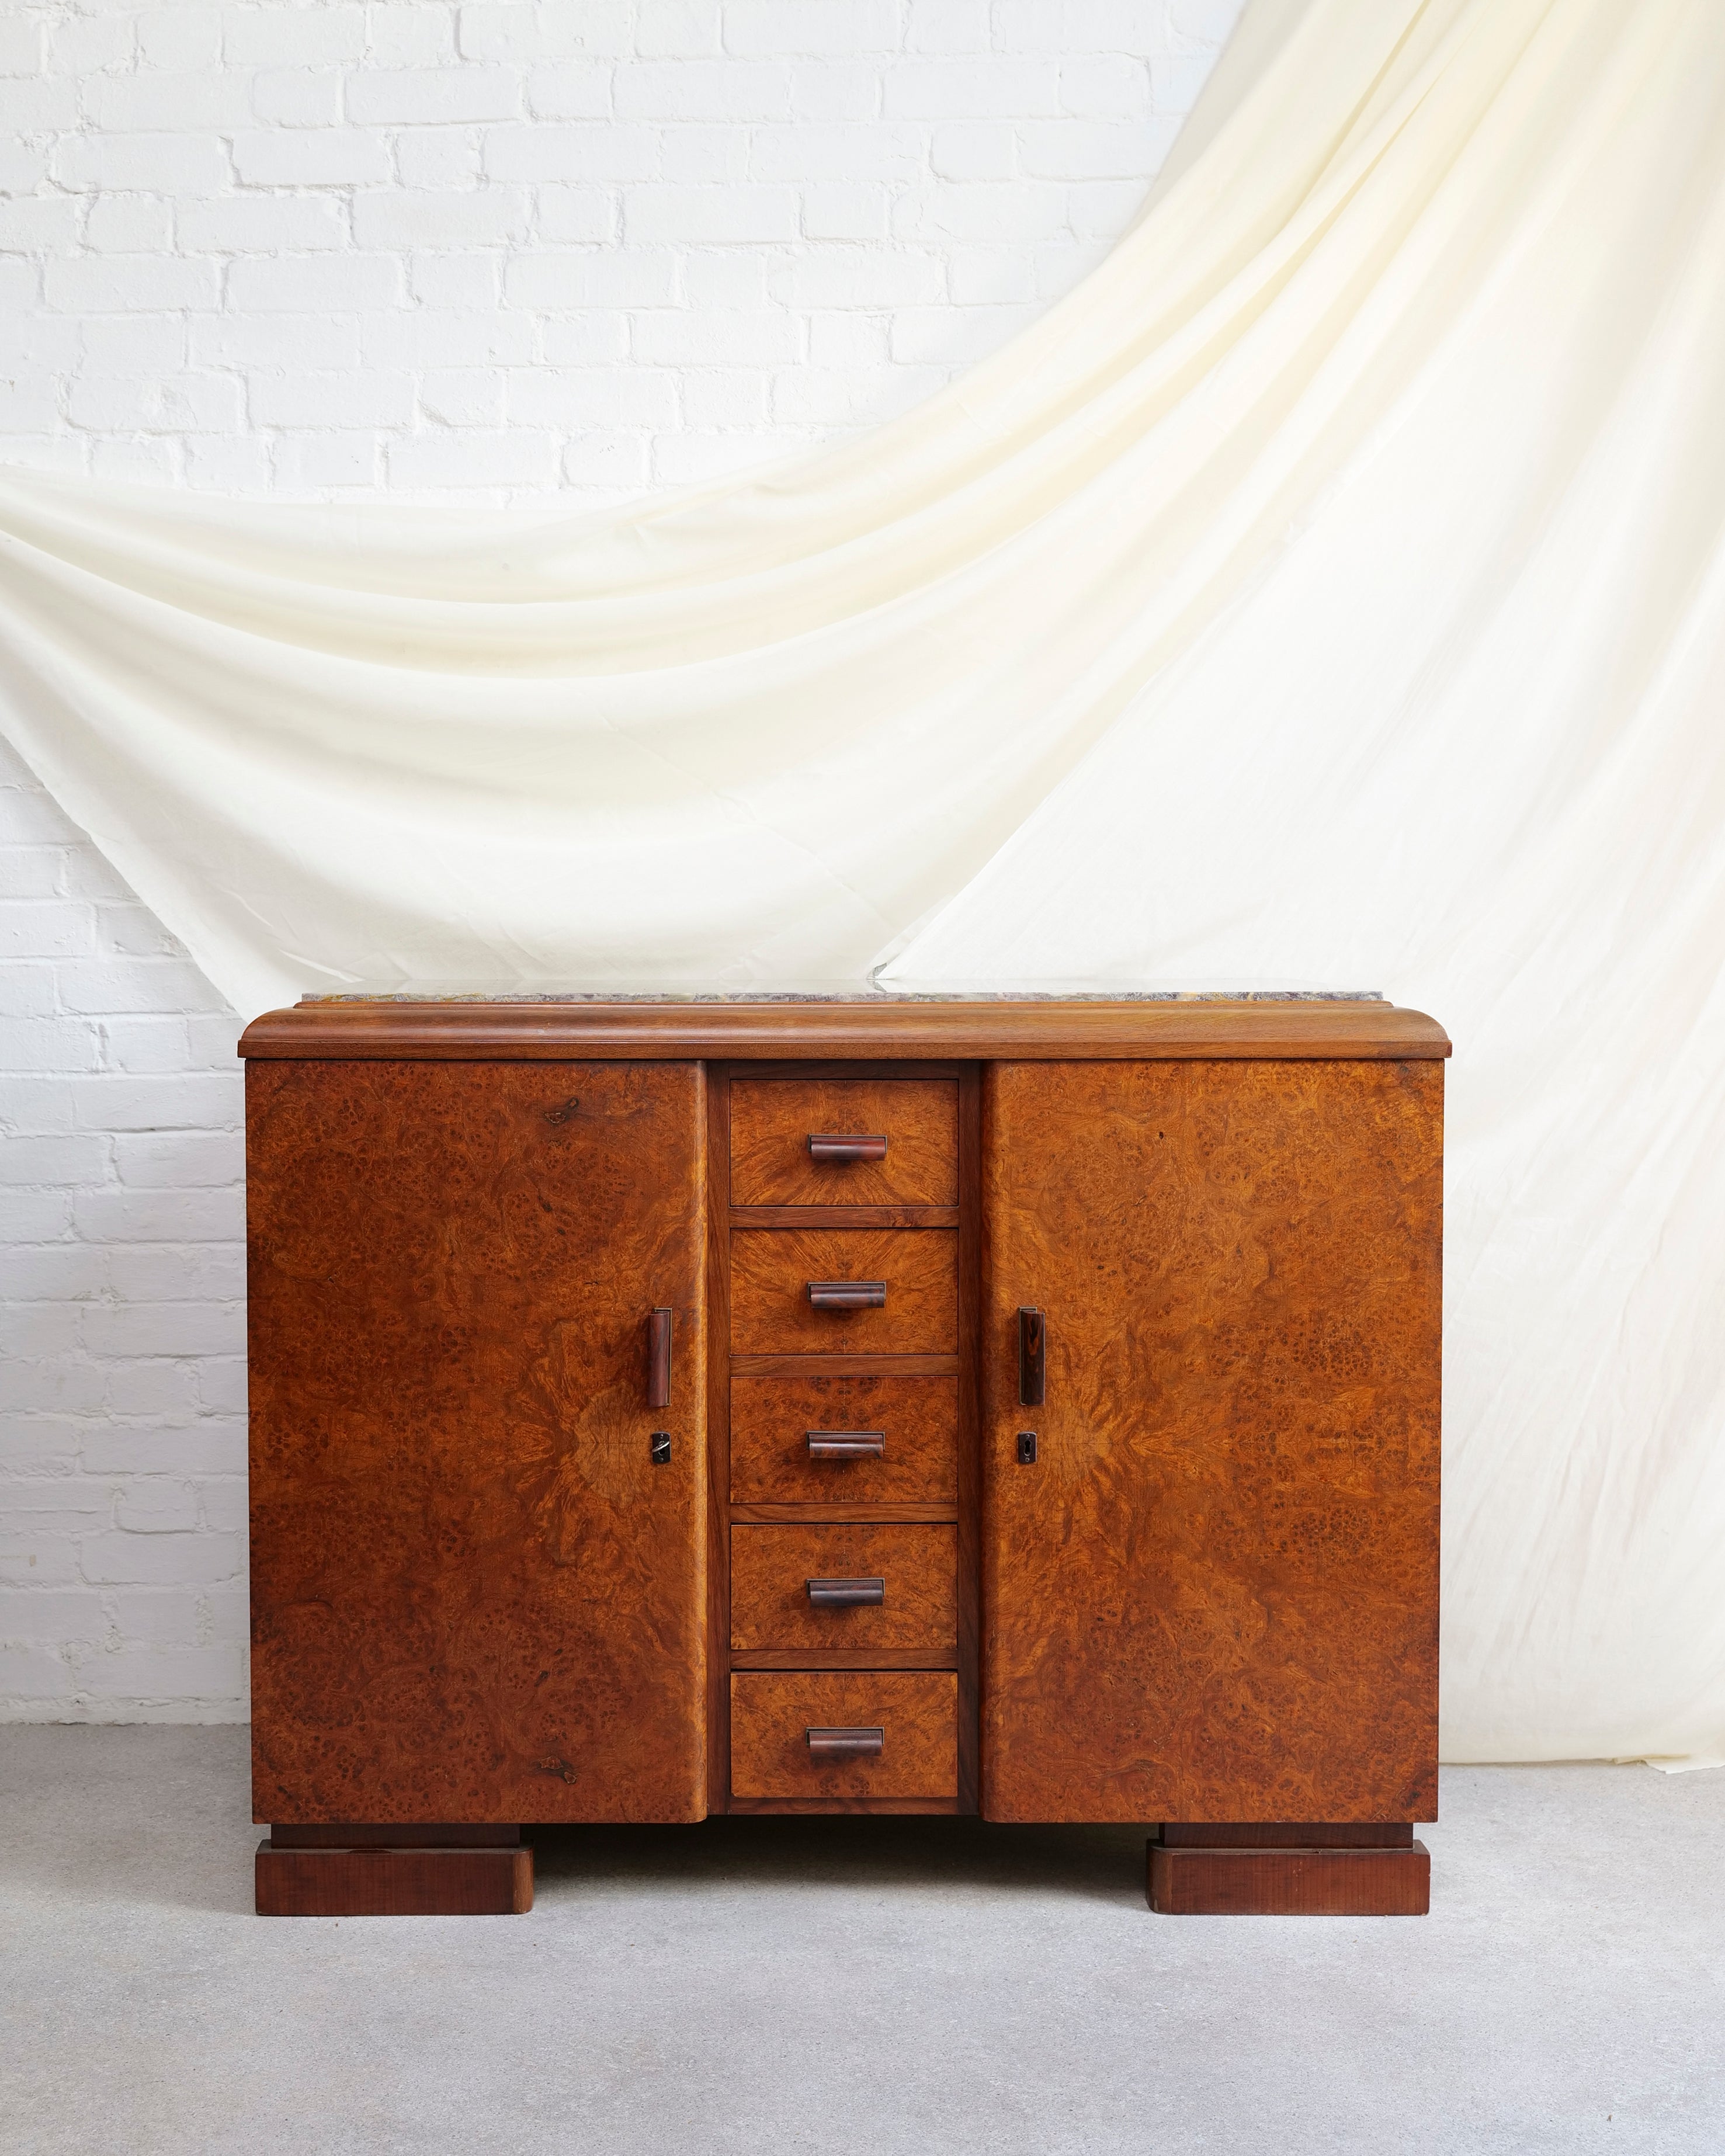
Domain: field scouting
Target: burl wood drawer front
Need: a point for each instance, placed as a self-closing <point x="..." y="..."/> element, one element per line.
<point x="773" y="1119"/>
<point x="772" y="1270"/>
<point x="773" y="1711"/>
<point x="914" y="1420"/>
<point x="771" y="1606"/>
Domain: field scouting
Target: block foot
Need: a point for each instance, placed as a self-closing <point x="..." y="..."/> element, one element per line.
<point x="1231" y="1879"/>
<point x="326" y="1879"/>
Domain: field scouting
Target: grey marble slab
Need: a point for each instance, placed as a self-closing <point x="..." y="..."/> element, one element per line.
<point x="838" y="992"/>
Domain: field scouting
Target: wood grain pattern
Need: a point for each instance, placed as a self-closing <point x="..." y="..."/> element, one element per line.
<point x="795" y="1367"/>
<point x="970" y="1264"/>
<point x="885" y="1807"/>
<point x="473" y="1595"/>
<point x="771" y="1713"/>
<point x="769" y="1601"/>
<point x="1074" y="1029"/>
<point x="797" y="1515"/>
<point x="1307" y="1833"/>
<point x="818" y="1658"/>
<point x="1290" y="1882"/>
<point x="1213" y="1594"/>
<point x="348" y="1835"/>
<point x="1216" y="1595"/>
<point x="773" y="1118"/>
<point x="392" y="1882"/>
<point x="770" y="1418"/>
<point x="844" y="1216"/>
<point x="718" y="1398"/>
<point x="770" y="1309"/>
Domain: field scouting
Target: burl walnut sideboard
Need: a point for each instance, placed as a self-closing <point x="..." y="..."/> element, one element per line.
<point x="1020" y="1407"/>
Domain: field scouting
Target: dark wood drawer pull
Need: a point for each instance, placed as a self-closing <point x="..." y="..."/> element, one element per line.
<point x="659" y="1359"/>
<point x="847" y="1593"/>
<point x="846" y="1743"/>
<point x="845" y="1145"/>
<point x="846" y="1444"/>
<point x="848" y="1295"/>
<point x="1033" y="1358"/>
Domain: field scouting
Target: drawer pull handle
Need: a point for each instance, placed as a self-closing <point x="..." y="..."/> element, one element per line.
<point x="659" y="1359"/>
<point x="1033" y="1358"/>
<point x="848" y="1295"/>
<point x="846" y="1444"/>
<point x="846" y="1743"/>
<point x="845" y="1145"/>
<point x="847" y="1593"/>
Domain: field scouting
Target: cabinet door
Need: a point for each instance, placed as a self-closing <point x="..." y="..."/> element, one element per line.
<point x="1214" y="1595"/>
<point x="476" y="1596"/>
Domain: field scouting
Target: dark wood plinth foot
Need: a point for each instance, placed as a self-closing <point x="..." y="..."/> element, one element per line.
<point x="486" y="1881"/>
<point x="1234" y="1881"/>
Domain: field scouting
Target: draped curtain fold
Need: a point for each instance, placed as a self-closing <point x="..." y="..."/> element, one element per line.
<point x="1329" y="591"/>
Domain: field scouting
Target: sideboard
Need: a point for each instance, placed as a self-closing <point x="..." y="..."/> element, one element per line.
<point x="1023" y="1407"/>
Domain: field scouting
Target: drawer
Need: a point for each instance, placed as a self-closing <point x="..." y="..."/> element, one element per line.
<point x="771" y="1606"/>
<point x="773" y="1711"/>
<point x="916" y="1420"/>
<point x="772" y="1269"/>
<point x="773" y="1119"/>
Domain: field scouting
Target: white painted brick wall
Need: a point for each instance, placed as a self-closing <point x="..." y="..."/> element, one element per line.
<point x="481" y="254"/>
<point x="122" y="1433"/>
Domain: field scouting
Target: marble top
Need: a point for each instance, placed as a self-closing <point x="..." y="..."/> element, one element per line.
<point x="852" y="992"/>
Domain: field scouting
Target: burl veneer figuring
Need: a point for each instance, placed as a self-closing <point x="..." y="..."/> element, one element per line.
<point x="474" y="1595"/>
<point x="1028" y="1407"/>
<point x="1221" y="1575"/>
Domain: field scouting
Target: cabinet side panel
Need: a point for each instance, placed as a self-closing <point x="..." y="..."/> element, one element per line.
<point x="1214" y="1595"/>
<point x="476" y="1596"/>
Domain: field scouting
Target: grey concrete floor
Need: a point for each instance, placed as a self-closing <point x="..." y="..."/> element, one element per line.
<point x="867" y="1988"/>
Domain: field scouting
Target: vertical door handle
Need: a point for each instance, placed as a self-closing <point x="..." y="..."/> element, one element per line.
<point x="659" y="1359"/>
<point x="1033" y="1358"/>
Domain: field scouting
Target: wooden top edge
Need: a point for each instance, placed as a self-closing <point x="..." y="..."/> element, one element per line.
<point x="1092" y="1030"/>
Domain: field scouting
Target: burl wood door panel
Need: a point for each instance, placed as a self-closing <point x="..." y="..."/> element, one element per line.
<point x="1214" y="1594"/>
<point x="771" y="1567"/>
<point x="772" y="1120"/>
<point x="476" y="1596"/>
<point x="771" y="1312"/>
<point x="772" y="1711"/>
<point x="916" y="1420"/>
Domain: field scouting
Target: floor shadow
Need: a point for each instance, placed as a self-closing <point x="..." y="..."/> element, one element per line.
<point x="1095" y="1863"/>
<point x="157" y="1816"/>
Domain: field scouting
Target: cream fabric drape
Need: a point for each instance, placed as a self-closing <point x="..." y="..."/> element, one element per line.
<point x="1331" y="590"/>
